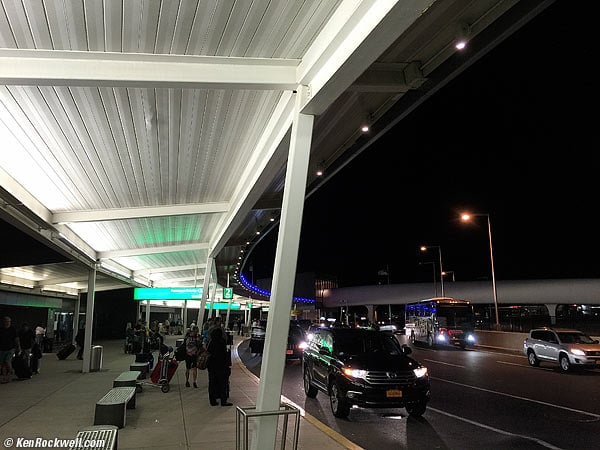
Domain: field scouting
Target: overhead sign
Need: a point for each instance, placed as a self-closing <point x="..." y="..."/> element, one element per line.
<point x="223" y="305"/>
<point x="167" y="293"/>
<point x="227" y="293"/>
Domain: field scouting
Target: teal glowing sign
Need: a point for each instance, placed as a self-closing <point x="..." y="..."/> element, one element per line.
<point x="223" y="305"/>
<point x="167" y="294"/>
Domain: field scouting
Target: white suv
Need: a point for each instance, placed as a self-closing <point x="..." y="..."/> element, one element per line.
<point x="569" y="348"/>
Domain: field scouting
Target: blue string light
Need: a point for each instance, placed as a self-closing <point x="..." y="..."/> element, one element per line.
<point x="266" y="293"/>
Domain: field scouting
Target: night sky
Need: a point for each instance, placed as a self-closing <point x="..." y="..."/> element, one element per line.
<point x="512" y="137"/>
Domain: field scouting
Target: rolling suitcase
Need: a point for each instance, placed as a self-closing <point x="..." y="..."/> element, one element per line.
<point x="21" y="368"/>
<point x="64" y="352"/>
<point x="159" y="371"/>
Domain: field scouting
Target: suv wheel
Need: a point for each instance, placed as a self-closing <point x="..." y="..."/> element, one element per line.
<point x="309" y="389"/>
<point x="416" y="409"/>
<point x="532" y="359"/>
<point x="565" y="365"/>
<point x="339" y="405"/>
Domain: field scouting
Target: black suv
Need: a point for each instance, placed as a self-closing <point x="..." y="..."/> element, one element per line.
<point x="366" y="368"/>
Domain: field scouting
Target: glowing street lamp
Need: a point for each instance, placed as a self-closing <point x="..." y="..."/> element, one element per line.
<point x="466" y="217"/>
<point x="449" y="272"/>
<point x="423" y="249"/>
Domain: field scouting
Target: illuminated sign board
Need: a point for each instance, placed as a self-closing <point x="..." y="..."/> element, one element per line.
<point x="227" y="293"/>
<point x="190" y="304"/>
<point x="167" y="293"/>
<point x="222" y="305"/>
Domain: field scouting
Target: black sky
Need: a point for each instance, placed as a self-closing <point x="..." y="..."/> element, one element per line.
<point x="514" y="136"/>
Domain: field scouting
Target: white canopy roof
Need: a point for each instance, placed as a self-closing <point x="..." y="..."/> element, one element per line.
<point x="150" y="135"/>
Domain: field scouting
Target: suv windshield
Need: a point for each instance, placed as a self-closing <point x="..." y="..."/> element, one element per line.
<point x="574" y="338"/>
<point x="354" y="343"/>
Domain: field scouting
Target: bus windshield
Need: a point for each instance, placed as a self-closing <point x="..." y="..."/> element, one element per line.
<point x="454" y="315"/>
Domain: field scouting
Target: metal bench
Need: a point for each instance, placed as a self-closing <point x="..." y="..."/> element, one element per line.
<point x="129" y="378"/>
<point x="110" y="409"/>
<point x="143" y="367"/>
<point x="87" y="437"/>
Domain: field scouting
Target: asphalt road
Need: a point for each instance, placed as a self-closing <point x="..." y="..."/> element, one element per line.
<point x="480" y="400"/>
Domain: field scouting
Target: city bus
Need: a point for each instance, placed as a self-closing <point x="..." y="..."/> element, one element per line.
<point x="440" y="321"/>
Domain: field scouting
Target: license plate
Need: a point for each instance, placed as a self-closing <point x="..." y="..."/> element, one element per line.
<point x="289" y="352"/>
<point x="393" y="393"/>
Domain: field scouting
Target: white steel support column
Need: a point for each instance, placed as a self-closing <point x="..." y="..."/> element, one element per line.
<point x="148" y="313"/>
<point x="89" y="320"/>
<point x="205" y="286"/>
<point x="185" y="312"/>
<point x="284" y="276"/>
<point x="227" y="316"/>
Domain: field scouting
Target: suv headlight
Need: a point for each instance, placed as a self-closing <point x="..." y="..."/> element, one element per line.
<point x="420" y="372"/>
<point x="577" y="351"/>
<point x="355" y="373"/>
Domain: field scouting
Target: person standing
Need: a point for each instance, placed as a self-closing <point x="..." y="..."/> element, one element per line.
<point x="80" y="341"/>
<point x="218" y="369"/>
<point x="38" y="346"/>
<point x="40" y="333"/>
<point x="193" y="344"/>
<point x="9" y="345"/>
<point x="26" y="339"/>
<point x="217" y="324"/>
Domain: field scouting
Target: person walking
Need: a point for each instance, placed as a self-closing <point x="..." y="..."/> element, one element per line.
<point x="193" y="344"/>
<point x="38" y="347"/>
<point x="40" y="333"/>
<point x="80" y="341"/>
<point x="218" y="369"/>
<point x="9" y="345"/>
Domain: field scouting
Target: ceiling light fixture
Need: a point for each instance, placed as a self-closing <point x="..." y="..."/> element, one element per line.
<point x="462" y="37"/>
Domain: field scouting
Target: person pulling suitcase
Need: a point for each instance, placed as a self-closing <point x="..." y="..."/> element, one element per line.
<point x="80" y="341"/>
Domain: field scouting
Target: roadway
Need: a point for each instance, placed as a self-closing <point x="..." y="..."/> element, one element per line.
<point x="480" y="399"/>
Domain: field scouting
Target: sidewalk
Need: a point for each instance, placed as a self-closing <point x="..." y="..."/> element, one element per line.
<point x="61" y="400"/>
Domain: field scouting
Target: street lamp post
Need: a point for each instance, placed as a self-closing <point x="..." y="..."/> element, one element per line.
<point x="433" y="271"/>
<point x="466" y="217"/>
<point x="424" y="248"/>
<point x="448" y="272"/>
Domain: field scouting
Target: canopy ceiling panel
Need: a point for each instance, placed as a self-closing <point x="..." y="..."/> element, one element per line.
<point x="150" y="135"/>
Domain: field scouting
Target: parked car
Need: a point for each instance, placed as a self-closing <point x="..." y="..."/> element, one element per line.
<point x="568" y="348"/>
<point x="257" y="337"/>
<point x="366" y="368"/>
<point x="296" y="342"/>
<point x="313" y="328"/>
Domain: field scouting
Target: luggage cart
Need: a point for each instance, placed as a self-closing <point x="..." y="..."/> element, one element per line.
<point x="164" y="369"/>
